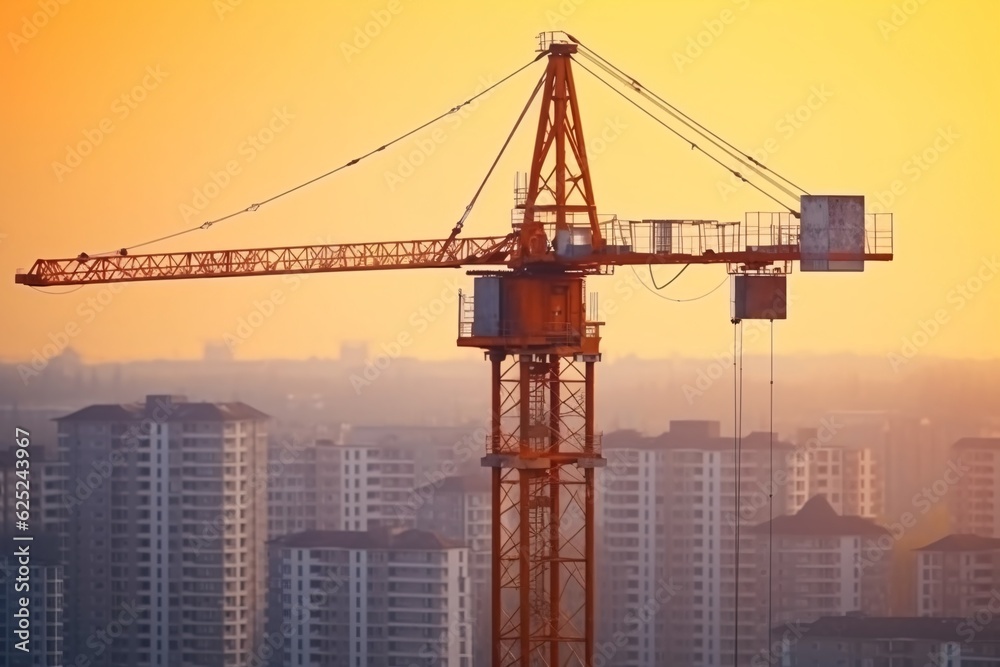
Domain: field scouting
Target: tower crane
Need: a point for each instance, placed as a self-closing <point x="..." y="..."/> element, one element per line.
<point x="528" y="312"/>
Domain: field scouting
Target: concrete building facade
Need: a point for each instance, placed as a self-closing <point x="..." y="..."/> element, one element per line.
<point x="975" y="502"/>
<point x="459" y="509"/>
<point x="958" y="575"/>
<point x="669" y="511"/>
<point x="167" y="512"/>
<point x="376" y="598"/>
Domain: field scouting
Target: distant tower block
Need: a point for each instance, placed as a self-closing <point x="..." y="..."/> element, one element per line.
<point x="832" y="235"/>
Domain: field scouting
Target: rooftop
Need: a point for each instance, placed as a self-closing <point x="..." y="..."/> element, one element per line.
<point x="963" y="542"/>
<point x="691" y="438"/>
<point x="902" y="627"/>
<point x="163" y="408"/>
<point x="817" y="518"/>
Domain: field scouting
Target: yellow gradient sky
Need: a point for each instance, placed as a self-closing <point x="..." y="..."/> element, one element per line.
<point x="169" y="93"/>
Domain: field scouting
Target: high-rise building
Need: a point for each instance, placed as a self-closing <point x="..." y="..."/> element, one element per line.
<point x="167" y="510"/>
<point x="381" y="467"/>
<point x="669" y="511"/>
<point x="459" y="509"/>
<point x="974" y="500"/>
<point x="958" y="575"/>
<point x="40" y="585"/>
<point x="848" y="477"/>
<point x="817" y="568"/>
<point x="369" y="599"/>
<point x="303" y="487"/>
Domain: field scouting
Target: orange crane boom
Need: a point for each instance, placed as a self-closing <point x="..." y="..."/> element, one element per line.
<point x="427" y="254"/>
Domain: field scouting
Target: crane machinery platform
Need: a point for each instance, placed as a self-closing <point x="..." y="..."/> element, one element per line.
<point x="529" y="313"/>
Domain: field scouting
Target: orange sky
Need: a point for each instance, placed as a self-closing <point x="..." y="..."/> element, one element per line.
<point x="169" y="96"/>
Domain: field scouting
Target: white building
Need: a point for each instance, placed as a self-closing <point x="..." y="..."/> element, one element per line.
<point x="669" y="512"/>
<point x="370" y="599"/>
<point x="167" y="506"/>
<point x="381" y="466"/>
<point x="975" y="498"/>
<point x="847" y="477"/>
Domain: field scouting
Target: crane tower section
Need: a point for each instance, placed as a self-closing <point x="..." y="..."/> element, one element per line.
<point x="542" y="448"/>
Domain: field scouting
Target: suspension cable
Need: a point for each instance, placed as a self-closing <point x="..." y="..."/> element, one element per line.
<point x="737" y="461"/>
<point x="770" y="495"/>
<point x="697" y="128"/>
<point x="653" y="279"/>
<point x="693" y="145"/>
<point x="630" y="81"/>
<point x="696" y="298"/>
<point x="253" y="207"/>
<point x="468" y="209"/>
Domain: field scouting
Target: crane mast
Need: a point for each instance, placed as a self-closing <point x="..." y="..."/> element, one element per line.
<point x="528" y="313"/>
<point x="543" y="449"/>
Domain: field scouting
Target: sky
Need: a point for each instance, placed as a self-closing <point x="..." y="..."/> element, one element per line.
<point x="127" y="122"/>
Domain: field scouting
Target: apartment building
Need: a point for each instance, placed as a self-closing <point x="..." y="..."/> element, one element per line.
<point x="669" y="510"/>
<point x="379" y="598"/>
<point x="974" y="500"/>
<point x="818" y="567"/>
<point x="958" y="575"/>
<point x="459" y="508"/>
<point x="303" y="486"/>
<point x="848" y="478"/>
<point x="167" y="512"/>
